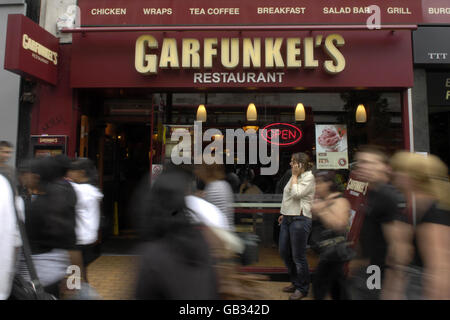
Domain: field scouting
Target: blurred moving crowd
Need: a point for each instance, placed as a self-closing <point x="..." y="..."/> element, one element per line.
<point x="190" y="248"/>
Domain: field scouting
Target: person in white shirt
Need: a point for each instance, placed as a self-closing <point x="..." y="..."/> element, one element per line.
<point x="10" y="240"/>
<point x="83" y="176"/>
<point x="296" y="223"/>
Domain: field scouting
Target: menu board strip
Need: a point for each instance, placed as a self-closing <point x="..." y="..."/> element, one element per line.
<point x="234" y="12"/>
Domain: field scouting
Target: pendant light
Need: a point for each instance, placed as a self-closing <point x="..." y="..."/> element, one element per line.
<point x="300" y="112"/>
<point x="361" y="115"/>
<point x="201" y="113"/>
<point x="252" y="114"/>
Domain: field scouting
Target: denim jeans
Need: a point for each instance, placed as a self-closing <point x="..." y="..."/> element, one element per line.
<point x="294" y="233"/>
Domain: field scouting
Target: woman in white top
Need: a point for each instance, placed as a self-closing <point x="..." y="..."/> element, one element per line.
<point x="295" y="223"/>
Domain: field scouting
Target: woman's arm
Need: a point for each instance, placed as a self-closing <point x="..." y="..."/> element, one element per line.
<point x="399" y="237"/>
<point x="433" y="242"/>
<point x="335" y="215"/>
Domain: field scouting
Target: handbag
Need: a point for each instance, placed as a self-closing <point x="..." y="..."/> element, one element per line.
<point x="336" y="250"/>
<point x="21" y="288"/>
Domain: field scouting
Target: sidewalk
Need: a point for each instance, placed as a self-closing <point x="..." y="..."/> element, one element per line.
<point x="114" y="278"/>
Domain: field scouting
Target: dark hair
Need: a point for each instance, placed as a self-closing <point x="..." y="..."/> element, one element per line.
<point x="86" y="165"/>
<point x="328" y="176"/>
<point x="161" y="213"/>
<point x="45" y="168"/>
<point x="6" y="144"/>
<point x="62" y="165"/>
<point x="302" y="158"/>
<point x="380" y="151"/>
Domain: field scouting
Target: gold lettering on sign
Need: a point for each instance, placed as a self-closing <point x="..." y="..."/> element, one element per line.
<point x="169" y="54"/>
<point x="276" y="54"/>
<point x="292" y="52"/>
<point x="273" y="53"/>
<point x="310" y="62"/>
<point x="337" y="65"/>
<point x="209" y="52"/>
<point x="36" y="47"/>
<point x="48" y="140"/>
<point x="191" y="48"/>
<point x="145" y="63"/>
<point x="251" y="52"/>
<point x="230" y="60"/>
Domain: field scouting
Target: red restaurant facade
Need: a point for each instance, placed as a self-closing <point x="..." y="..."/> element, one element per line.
<point x="135" y="69"/>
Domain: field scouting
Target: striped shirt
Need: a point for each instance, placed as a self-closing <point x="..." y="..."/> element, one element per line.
<point x="220" y="194"/>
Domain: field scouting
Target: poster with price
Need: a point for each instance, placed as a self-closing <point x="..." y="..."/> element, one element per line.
<point x="331" y="146"/>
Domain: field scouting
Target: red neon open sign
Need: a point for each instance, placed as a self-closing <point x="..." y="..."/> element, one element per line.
<point x="287" y="134"/>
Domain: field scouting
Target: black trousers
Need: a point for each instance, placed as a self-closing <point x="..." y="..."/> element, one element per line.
<point x="329" y="277"/>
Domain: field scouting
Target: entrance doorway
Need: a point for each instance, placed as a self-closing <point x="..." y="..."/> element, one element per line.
<point x="116" y="135"/>
<point x="125" y="163"/>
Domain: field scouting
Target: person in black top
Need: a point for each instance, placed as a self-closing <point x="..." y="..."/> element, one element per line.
<point x="425" y="273"/>
<point x="176" y="262"/>
<point x="331" y="213"/>
<point x="383" y="210"/>
<point x="50" y="223"/>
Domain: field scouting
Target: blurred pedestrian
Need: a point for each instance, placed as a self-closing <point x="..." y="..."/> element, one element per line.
<point x="28" y="181"/>
<point x="233" y="179"/>
<point x="425" y="272"/>
<point x="6" y="151"/>
<point x="295" y="221"/>
<point x="10" y="240"/>
<point x="383" y="210"/>
<point x="50" y="224"/>
<point x="331" y="213"/>
<point x="176" y="263"/>
<point x="247" y="185"/>
<point x="84" y="181"/>
<point x="217" y="190"/>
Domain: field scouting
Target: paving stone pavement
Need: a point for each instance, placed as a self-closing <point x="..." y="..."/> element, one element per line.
<point x="114" y="278"/>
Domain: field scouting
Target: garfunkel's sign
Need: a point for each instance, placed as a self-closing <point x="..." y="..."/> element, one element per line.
<point x="250" y="59"/>
<point x="243" y="53"/>
<point x="31" y="51"/>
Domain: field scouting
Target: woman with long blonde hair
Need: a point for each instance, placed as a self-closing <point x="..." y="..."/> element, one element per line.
<point x="425" y="179"/>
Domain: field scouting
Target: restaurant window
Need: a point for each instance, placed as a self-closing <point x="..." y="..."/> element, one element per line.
<point x="257" y="196"/>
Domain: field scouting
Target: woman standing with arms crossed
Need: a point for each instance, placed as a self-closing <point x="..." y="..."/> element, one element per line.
<point x="295" y="222"/>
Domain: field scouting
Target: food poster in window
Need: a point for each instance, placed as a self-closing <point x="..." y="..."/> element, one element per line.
<point x="331" y="146"/>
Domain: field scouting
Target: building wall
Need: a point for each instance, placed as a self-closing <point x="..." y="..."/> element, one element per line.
<point x="10" y="82"/>
<point x="55" y="112"/>
<point x="50" y="11"/>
